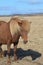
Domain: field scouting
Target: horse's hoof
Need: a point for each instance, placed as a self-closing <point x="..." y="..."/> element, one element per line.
<point x="1" y="56"/>
<point x="15" y="59"/>
<point x="8" y="61"/>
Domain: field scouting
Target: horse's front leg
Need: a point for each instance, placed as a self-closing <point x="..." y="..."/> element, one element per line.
<point x="15" y="52"/>
<point x="1" y="52"/>
<point x="8" y="53"/>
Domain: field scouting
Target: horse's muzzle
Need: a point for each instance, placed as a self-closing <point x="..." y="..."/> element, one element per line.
<point x="25" y="42"/>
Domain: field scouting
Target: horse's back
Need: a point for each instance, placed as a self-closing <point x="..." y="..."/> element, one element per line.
<point x="2" y="22"/>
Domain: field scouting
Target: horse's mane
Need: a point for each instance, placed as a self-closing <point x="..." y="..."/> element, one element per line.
<point x="14" y="27"/>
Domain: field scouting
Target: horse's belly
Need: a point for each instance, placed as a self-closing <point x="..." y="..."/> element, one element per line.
<point x="3" y="39"/>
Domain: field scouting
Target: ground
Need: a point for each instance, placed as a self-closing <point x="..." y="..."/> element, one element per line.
<point x="32" y="52"/>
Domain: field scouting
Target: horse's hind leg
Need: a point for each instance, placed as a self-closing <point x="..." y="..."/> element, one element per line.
<point x="1" y="52"/>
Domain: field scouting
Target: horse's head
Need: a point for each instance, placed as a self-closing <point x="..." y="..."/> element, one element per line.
<point x="24" y="29"/>
<point x="21" y="26"/>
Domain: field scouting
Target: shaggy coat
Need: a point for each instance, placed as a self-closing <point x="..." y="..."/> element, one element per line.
<point x="10" y="33"/>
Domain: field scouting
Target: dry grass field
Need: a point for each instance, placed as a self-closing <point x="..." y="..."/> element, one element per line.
<point x="32" y="52"/>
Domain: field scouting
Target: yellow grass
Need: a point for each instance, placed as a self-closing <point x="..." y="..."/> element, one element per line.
<point x="35" y="40"/>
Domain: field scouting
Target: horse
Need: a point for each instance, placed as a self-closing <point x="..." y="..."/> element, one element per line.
<point x="11" y="31"/>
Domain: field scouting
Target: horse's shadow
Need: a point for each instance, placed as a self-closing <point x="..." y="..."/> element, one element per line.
<point x="23" y="53"/>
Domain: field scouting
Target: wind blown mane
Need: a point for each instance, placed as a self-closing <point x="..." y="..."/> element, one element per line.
<point x="14" y="27"/>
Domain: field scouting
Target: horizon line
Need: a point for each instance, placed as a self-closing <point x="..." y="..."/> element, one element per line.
<point x="33" y="14"/>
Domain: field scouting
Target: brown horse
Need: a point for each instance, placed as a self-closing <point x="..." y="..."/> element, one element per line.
<point x="10" y="33"/>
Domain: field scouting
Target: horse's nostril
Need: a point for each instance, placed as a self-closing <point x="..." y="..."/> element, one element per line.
<point x="25" y="42"/>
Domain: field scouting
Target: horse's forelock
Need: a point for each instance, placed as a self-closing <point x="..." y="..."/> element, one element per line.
<point x="26" y="25"/>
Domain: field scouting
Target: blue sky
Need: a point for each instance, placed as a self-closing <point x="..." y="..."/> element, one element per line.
<point x="9" y="7"/>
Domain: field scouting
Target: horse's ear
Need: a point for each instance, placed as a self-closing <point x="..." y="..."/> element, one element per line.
<point x="20" y="23"/>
